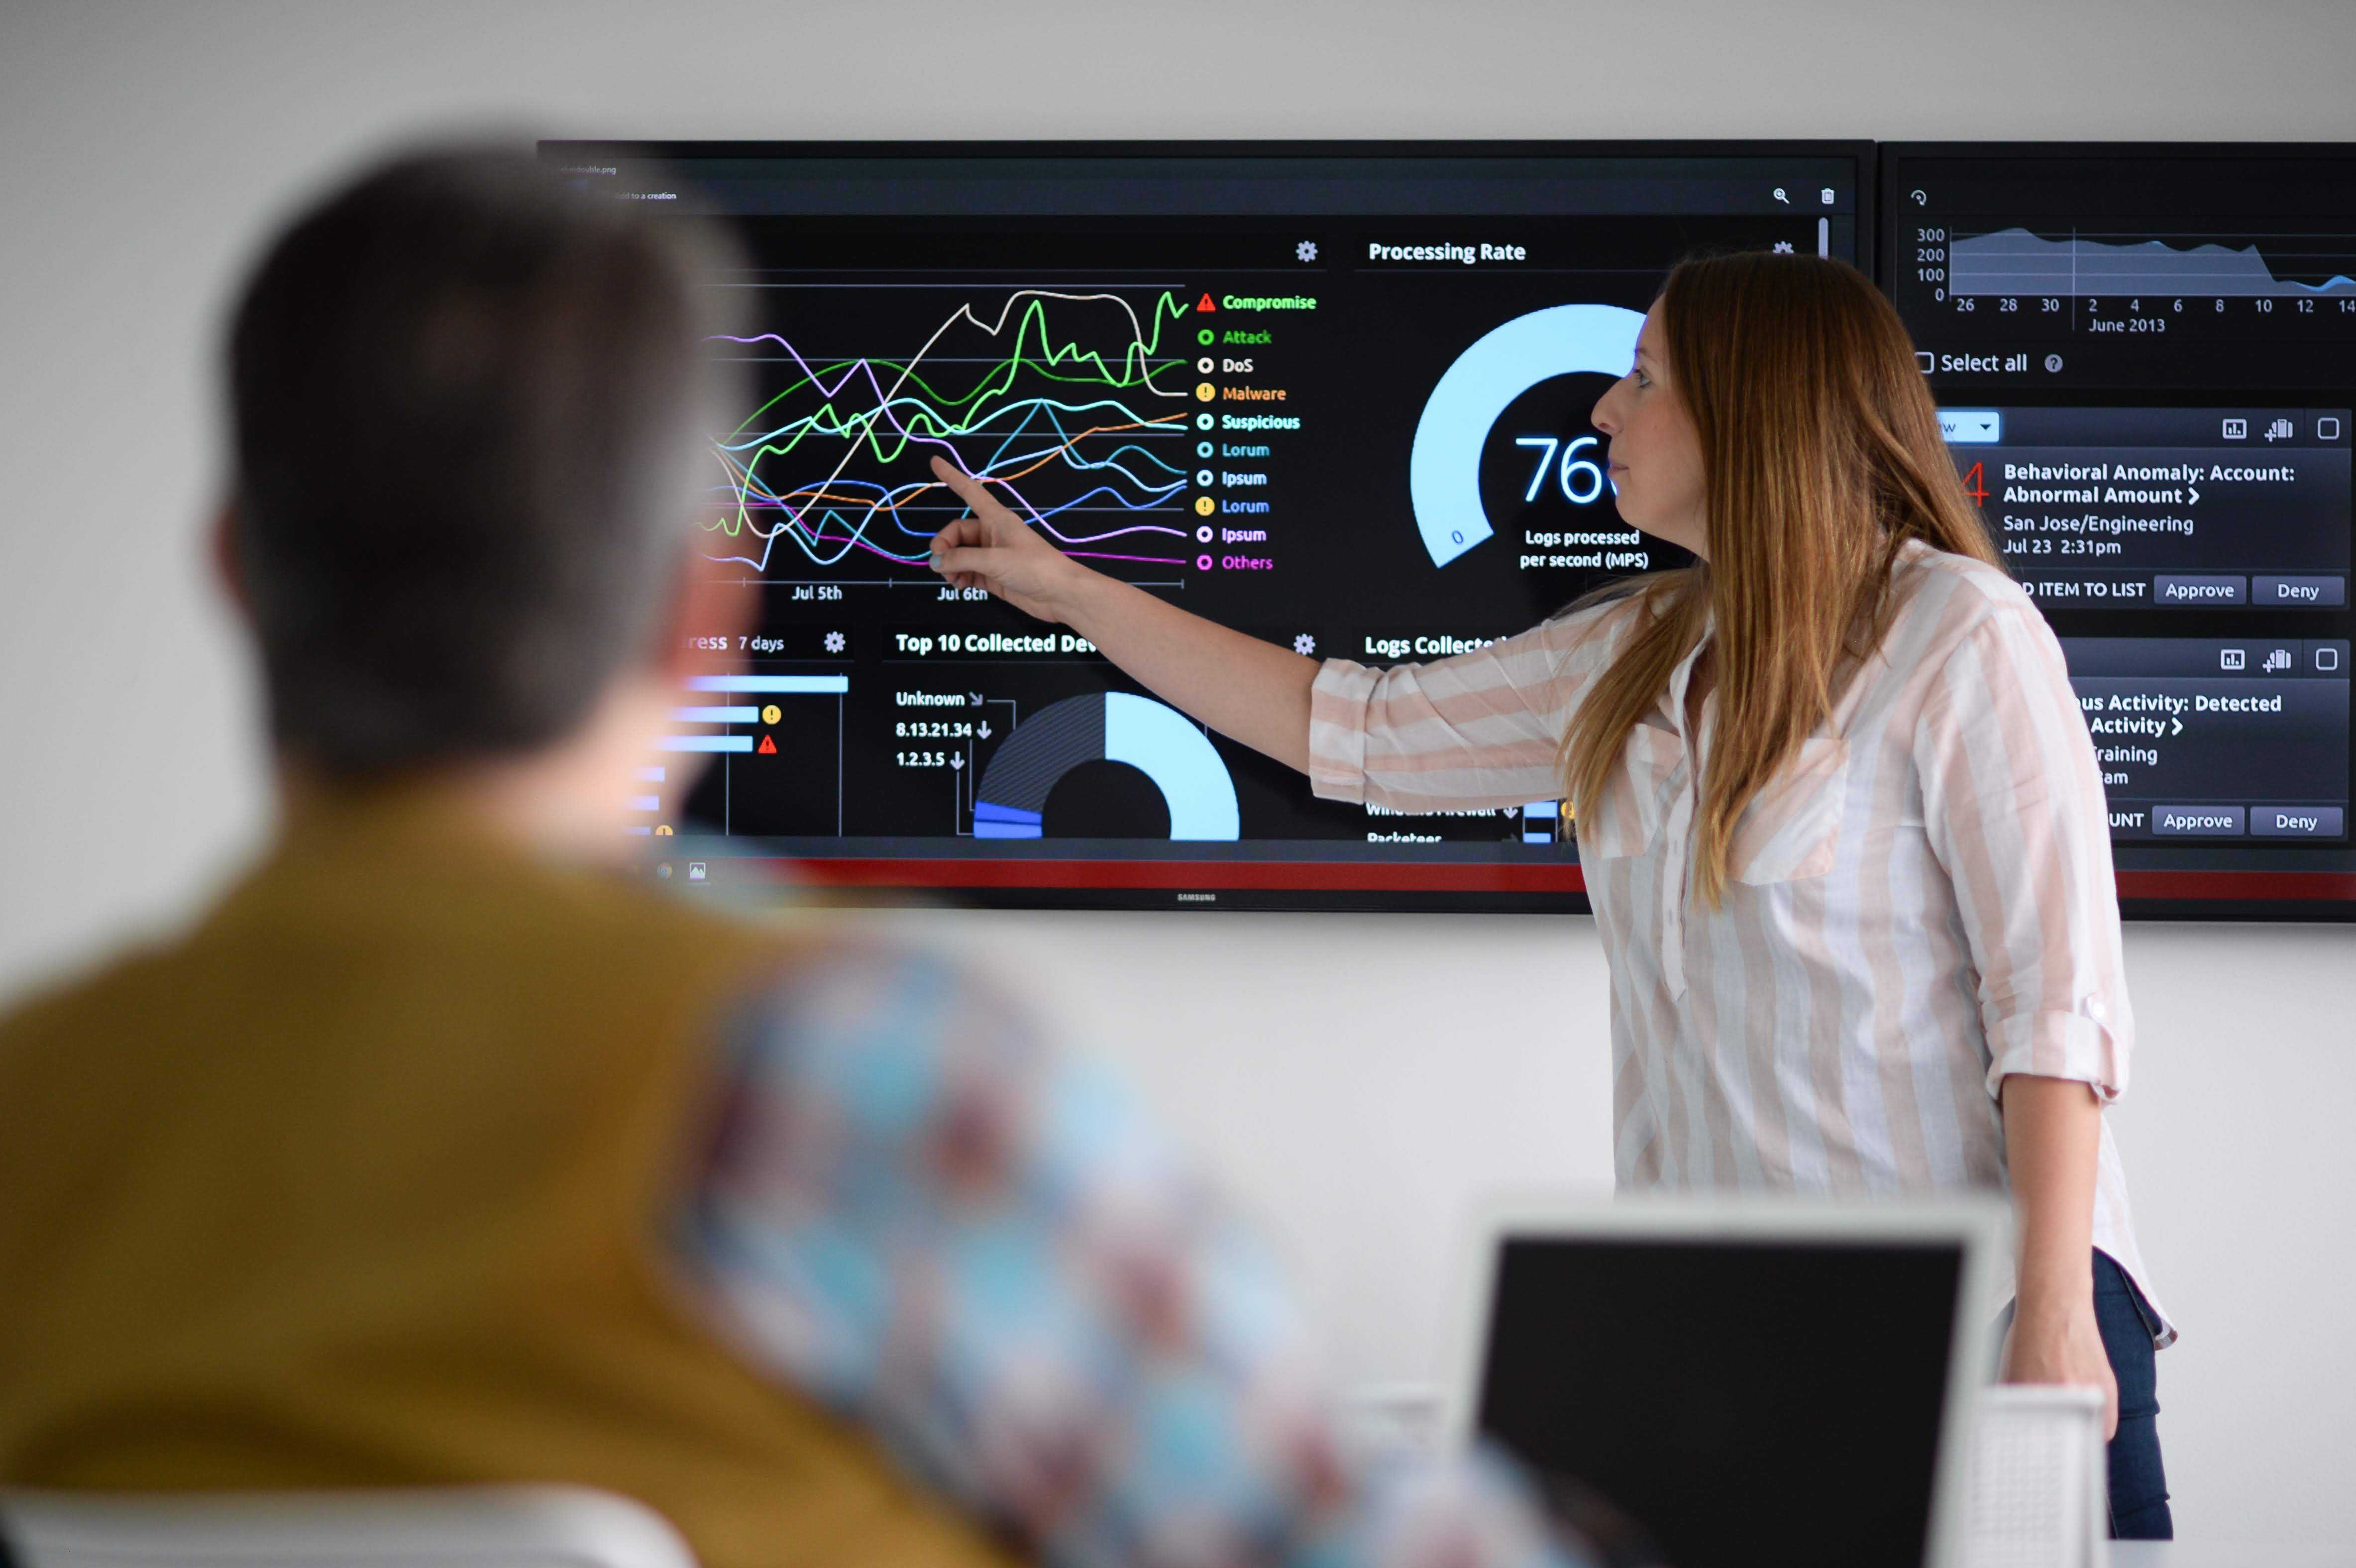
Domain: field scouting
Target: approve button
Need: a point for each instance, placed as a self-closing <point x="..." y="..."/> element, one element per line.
<point x="2323" y="592"/>
<point x="2167" y="589"/>
<point x="2197" y="821"/>
<point x="2296" y="821"/>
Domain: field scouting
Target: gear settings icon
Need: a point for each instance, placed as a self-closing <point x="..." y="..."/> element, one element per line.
<point x="834" y="642"/>
<point x="1304" y="645"/>
<point x="1306" y="250"/>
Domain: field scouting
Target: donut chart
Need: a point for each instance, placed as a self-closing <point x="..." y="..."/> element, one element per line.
<point x="1114" y="726"/>
<point x="1444" y="466"/>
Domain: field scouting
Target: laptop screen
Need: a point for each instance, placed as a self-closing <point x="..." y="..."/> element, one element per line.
<point x="1720" y="1402"/>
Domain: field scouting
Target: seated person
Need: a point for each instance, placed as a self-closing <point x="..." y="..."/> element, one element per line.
<point x="442" y="1150"/>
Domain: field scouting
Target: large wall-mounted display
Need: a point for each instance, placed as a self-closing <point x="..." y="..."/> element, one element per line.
<point x="2146" y="360"/>
<point x="1334" y="395"/>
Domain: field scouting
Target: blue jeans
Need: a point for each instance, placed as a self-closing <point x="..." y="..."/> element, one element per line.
<point x="2138" y="1485"/>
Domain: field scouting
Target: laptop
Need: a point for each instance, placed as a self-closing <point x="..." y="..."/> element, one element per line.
<point x="1722" y="1383"/>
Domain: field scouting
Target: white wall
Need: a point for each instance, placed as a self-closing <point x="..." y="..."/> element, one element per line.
<point x="143" y="147"/>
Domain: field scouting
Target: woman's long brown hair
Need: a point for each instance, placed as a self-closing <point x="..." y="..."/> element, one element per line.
<point x="1821" y="457"/>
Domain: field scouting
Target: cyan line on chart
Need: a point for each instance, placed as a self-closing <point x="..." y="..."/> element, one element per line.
<point x="1030" y="406"/>
<point x="887" y="500"/>
<point x="753" y="482"/>
<point x="743" y="480"/>
<point x="858" y="531"/>
<point x="1159" y="502"/>
<point x="844" y="423"/>
<point x="805" y="534"/>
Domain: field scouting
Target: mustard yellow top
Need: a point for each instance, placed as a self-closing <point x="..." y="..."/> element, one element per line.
<point x="361" y="1183"/>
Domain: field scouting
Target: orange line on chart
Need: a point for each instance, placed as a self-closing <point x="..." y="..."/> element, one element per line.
<point x="820" y="493"/>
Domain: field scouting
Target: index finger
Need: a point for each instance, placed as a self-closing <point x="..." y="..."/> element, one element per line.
<point x="970" y="490"/>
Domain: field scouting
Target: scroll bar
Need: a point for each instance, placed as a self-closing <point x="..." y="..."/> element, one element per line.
<point x="1823" y="236"/>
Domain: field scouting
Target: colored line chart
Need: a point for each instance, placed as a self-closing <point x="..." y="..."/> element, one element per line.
<point x="1075" y="406"/>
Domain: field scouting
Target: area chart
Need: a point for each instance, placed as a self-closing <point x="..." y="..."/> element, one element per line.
<point x="2017" y="262"/>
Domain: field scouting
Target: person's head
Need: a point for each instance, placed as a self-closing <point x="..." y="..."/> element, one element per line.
<point x="1776" y="424"/>
<point x="465" y="404"/>
<point x="1654" y="458"/>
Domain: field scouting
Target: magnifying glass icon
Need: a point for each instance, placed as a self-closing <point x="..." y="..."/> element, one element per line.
<point x="1781" y="197"/>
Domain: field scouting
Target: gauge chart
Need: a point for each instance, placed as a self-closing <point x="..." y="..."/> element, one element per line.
<point x="1118" y="727"/>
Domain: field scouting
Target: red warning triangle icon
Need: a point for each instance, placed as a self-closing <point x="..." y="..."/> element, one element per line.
<point x="1206" y="304"/>
<point x="768" y="746"/>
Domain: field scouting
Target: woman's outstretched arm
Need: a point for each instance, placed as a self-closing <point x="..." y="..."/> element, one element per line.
<point x="1247" y="689"/>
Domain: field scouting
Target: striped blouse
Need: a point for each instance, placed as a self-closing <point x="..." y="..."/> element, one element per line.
<point x="1920" y="904"/>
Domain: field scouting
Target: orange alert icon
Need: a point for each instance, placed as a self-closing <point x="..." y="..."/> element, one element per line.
<point x="1206" y="304"/>
<point x="768" y="746"/>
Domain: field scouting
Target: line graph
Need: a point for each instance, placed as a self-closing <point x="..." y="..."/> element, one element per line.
<point x="1079" y="414"/>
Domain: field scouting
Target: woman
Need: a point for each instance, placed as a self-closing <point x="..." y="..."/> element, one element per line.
<point x="1841" y="822"/>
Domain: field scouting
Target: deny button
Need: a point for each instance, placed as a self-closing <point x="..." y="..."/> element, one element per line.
<point x="2320" y="592"/>
<point x="2296" y="821"/>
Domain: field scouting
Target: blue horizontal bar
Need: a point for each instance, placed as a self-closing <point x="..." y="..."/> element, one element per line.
<point x="983" y="827"/>
<point x="649" y="775"/>
<point x="704" y="743"/>
<point x="641" y="831"/>
<point x="989" y="811"/>
<point x="644" y="802"/>
<point x="794" y="685"/>
<point x="1537" y="837"/>
<point x="1539" y="808"/>
<point x="714" y="715"/>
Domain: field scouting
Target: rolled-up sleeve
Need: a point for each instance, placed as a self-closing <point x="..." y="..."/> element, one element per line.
<point x="1479" y="729"/>
<point x="2013" y="808"/>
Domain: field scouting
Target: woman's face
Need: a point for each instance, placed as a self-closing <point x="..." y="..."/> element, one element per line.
<point x="1654" y="455"/>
